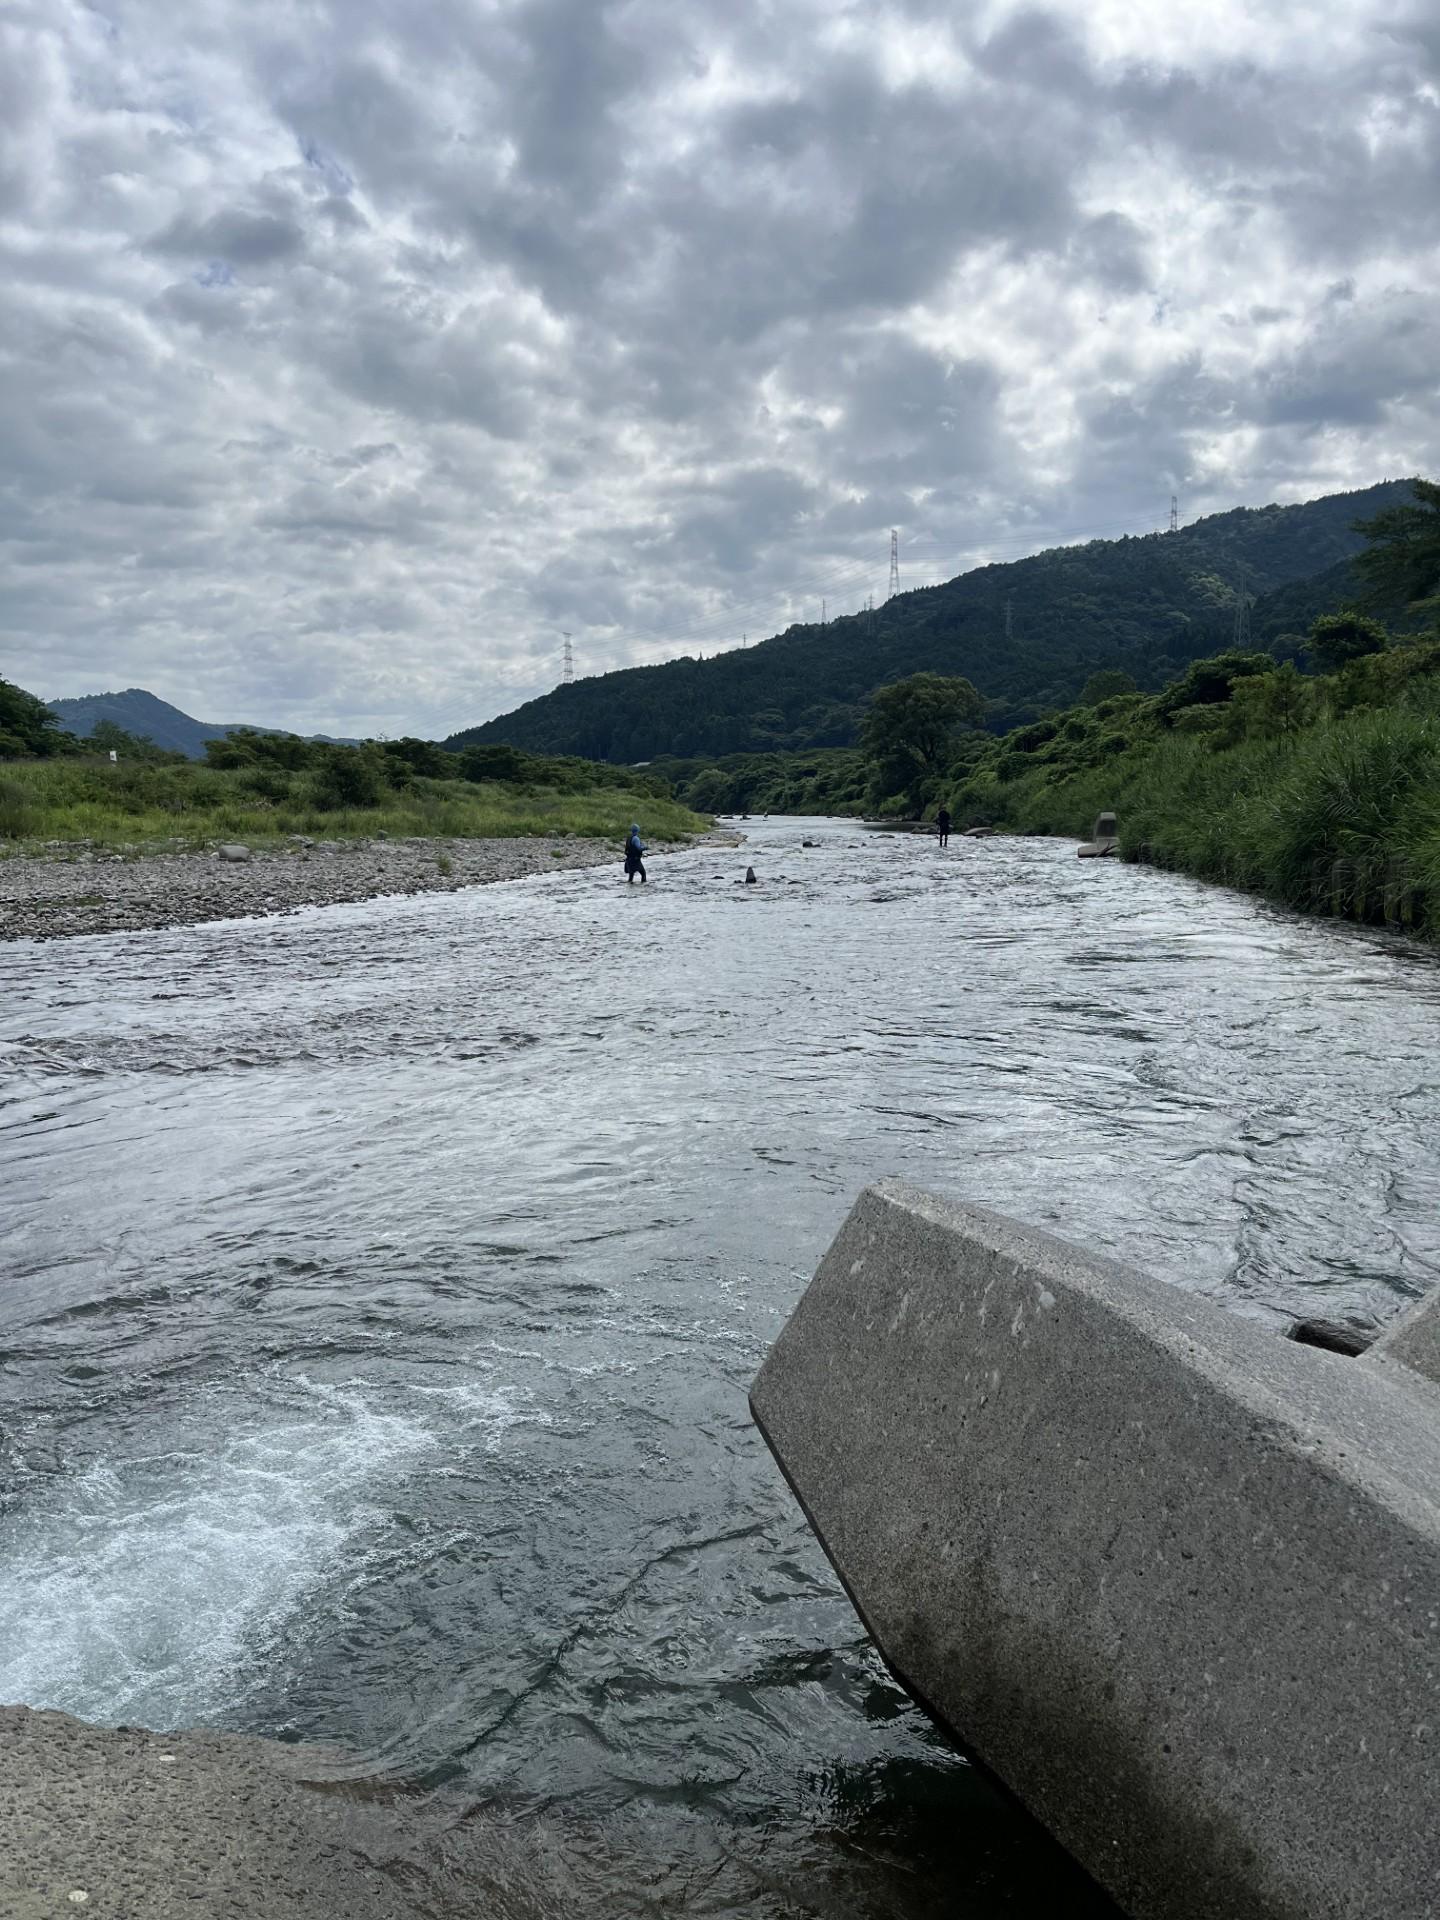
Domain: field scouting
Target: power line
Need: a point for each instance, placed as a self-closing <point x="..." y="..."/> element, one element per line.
<point x="850" y="574"/>
<point x="775" y="609"/>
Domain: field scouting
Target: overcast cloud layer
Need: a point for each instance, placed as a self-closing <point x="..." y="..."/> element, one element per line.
<point x="351" y="352"/>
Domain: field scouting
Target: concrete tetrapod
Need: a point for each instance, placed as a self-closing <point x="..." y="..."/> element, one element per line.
<point x="1173" y="1578"/>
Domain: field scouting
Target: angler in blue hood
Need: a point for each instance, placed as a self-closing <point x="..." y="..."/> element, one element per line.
<point x="634" y="851"/>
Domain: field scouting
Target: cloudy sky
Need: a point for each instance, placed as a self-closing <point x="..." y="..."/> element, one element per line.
<point x="351" y="352"/>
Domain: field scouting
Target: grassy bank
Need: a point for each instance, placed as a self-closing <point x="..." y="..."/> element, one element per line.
<point x="1322" y="793"/>
<point x="82" y="799"/>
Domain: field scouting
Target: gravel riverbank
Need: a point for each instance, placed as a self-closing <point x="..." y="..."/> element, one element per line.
<point x="80" y="890"/>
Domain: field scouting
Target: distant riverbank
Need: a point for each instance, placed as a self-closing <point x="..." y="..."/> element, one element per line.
<point x="82" y="890"/>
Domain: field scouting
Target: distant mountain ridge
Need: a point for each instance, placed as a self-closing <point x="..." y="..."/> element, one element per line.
<point x="149" y="718"/>
<point x="1028" y="633"/>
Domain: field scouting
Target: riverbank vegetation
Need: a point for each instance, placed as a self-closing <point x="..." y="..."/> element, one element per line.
<point x="1321" y="792"/>
<point x="1319" y="789"/>
<point x="261" y="788"/>
<point x="827" y="780"/>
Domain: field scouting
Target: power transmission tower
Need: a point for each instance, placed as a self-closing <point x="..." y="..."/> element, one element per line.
<point x="1174" y="513"/>
<point x="870" y="613"/>
<point x="568" y="672"/>
<point x="823" y="621"/>
<point x="894" y="562"/>
<point x="1009" y="621"/>
<point x="1242" y="615"/>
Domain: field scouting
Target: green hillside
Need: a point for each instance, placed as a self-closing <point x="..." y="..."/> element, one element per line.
<point x="1149" y="605"/>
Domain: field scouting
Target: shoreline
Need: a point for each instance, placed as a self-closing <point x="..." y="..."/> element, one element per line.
<point x="54" y="895"/>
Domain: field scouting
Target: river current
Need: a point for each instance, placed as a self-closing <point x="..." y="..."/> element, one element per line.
<point x="381" y="1285"/>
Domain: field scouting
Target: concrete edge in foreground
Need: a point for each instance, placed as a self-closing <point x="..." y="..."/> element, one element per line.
<point x="1172" y="1578"/>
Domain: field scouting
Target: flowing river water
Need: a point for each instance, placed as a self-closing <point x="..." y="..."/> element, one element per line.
<point x="381" y="1287"/>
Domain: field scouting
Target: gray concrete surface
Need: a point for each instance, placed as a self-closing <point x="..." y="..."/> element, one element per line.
<point x="1104" y="839"/>
<point x="120" y="1824"/>
<point x="1414" y="1339"/>
<point x="146" y="1826"/>
<point x="1175" y="1579"/>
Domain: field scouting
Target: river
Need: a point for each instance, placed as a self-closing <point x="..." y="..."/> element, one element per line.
<point x="382" y="1284"/>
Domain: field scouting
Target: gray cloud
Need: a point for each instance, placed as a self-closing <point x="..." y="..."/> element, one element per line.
<point x="244" y="239"/>
<point x="347" y="356"/>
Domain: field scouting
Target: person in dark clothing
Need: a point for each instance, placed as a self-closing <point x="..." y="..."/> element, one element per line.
<point x="942" y="826"/>
<point x="634" y="863"/>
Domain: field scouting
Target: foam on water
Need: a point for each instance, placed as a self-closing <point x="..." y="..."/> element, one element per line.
<point x="151" y="1589"/>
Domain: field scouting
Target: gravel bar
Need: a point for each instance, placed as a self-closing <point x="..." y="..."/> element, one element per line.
<point x="59" y="892"/>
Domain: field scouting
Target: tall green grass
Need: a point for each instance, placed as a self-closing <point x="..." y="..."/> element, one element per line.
<point x="1342" y="817"/>
<point x="134" y="805"/>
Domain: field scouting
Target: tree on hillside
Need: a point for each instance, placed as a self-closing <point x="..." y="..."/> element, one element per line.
<point x="1338" y="638"/>
<point x="1270" y="706"/>
<point x="1403" y="558"/>
<point x="28" y="729"/>
<point x="909" y="734"/>
<point x="1105" y="684"/>
<point x="1207" y="683"/>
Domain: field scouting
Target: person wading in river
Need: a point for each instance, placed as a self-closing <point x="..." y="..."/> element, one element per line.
<point x="942" y="826"/>
<point x="634" y="862"/>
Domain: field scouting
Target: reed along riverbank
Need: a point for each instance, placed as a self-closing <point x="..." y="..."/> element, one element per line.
<point x="1321" y="793"/>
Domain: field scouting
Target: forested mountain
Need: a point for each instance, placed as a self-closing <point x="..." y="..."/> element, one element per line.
<point x="146" y="717"/>
<point x="1149" y="605"/>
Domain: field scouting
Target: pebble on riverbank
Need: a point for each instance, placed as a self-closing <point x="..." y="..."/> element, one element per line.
<point x="91" y="890"/>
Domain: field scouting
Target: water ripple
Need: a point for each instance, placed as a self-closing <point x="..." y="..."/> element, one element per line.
<point x="381" y="1287"/>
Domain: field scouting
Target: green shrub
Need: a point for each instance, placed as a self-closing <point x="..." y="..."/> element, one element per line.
<point x="266" y="783"/>
<point x="349" y="777"/>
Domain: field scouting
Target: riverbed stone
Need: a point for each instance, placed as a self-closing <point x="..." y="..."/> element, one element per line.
<point x="1172" y="1577"/>
<point x="53" y="897"/>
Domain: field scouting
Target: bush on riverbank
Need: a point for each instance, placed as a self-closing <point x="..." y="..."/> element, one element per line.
<point x="1322" y="793"/>
<point x="354" y="793"/>
<point x="261" y="787"/>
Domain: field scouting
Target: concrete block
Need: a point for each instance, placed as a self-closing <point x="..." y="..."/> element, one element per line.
<point x="1104" y="839"/>
<point x="1175" y="1579"/>
<point x="1414" y="1339"/>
